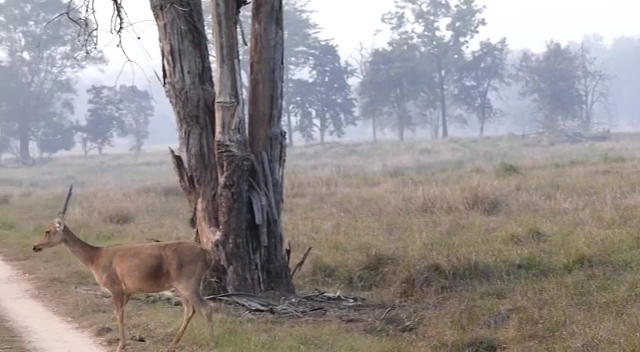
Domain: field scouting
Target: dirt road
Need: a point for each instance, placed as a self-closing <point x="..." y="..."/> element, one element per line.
<point x="39" y="329"/>
<point x="10" y="341"/>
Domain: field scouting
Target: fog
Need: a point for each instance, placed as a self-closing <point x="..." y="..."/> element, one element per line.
<point x="134" y="59"/>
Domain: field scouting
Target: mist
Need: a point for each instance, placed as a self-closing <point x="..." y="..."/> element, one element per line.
<point x="132" y="59"/>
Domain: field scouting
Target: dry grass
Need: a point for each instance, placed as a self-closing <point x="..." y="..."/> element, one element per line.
<point x="490" y="244"/>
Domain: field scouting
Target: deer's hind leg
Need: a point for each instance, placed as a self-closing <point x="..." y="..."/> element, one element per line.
<point x="120" y="299"/>
<point x="205" y="308"/>
<point x="193" y="301"/>
<point x="189" y="311"/>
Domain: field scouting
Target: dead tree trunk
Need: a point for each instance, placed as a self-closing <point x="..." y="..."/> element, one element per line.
<point x="233" y="184"/>
<point x="188" y="82"/>
<point x="267" y="141"/>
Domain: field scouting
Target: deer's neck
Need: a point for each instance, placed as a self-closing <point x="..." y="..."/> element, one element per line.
<point x="85" y="252"/>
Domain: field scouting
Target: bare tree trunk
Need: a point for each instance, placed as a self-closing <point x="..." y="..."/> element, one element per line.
<point x="234" y="185"/>
<point x="443" y="112"/>
<point x="267" y="141"/>
<point x="322" y="129"/>
<point x="188" y="82"/>
<point x="232" y="157"/>
<point x="374" y="130"/>
<point x="24" y="139"/>
<point x="483" y="119"/>
<point x="402" y="120"/>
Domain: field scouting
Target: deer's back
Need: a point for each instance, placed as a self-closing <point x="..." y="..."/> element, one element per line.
<point x="152" y="267"/>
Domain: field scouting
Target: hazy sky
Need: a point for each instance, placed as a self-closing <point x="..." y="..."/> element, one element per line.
<point x="525" y="23"/>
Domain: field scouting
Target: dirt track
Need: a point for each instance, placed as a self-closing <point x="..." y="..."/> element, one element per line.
<point x="22" y="317"/>
<point x="10" y="341"/>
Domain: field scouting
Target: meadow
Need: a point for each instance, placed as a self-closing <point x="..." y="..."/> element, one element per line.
<point x="467" y="244"/>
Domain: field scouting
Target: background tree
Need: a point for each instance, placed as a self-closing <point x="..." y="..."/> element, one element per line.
<point x="136" y="110"/>
<point x="43" y="58"/>
<point x="5" y="143"/>
<point x="5" y="122"/>
<point x="593" y="86"/>
<point x="104" y="119"/>
<point x="482" y="75"/>
<point x="392" y="81"/>
<point x="551" y="80"/>
<point x="621" y="61"/>
<point x="330" y="95"/>
<point x="361" y="65"/>
<point x="443" y="30"/>
<point x="55" y="135"/>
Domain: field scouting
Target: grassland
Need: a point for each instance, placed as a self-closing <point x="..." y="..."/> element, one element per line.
<point x="481" y="245"/>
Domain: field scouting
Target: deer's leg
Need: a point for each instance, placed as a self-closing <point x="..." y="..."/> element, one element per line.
<point x="119" y="300"/>
<point x="189" y="311"/>
<point x="206" y="310"/>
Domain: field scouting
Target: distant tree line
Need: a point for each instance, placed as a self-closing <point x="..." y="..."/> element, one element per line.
<point x="39" y="67"/>
<point x="428" y="76"/>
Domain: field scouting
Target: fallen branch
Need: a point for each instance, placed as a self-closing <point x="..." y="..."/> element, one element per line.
<point x="255" y="303"/>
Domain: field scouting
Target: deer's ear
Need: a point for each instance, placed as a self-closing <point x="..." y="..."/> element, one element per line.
<point x="59" y="224"/>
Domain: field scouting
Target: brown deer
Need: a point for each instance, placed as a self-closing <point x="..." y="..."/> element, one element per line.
<point x="139" y="268"/>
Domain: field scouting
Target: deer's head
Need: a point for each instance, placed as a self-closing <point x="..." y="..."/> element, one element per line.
<point x="53" y="235"/>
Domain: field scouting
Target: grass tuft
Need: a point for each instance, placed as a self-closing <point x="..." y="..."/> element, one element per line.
<point x="507" y="169"/>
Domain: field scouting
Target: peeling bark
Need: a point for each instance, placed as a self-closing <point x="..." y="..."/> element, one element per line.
<point x="267" y="141"/>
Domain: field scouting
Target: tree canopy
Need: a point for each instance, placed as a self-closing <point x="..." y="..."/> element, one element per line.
<point x="42" y="59"/>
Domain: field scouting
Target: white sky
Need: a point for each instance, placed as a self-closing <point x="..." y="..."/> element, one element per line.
<point x="525" y="23"/>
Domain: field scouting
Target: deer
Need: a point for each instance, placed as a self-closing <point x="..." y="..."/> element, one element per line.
<point x="138" y="268"/>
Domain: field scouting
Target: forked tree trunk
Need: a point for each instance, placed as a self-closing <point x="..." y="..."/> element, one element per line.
<point x="233" y="185"/>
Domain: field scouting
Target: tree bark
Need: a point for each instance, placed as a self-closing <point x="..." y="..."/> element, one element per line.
<point x="188" y="82"/>
<point x="233" y="159"/>
<point x="233" y="185"/>
<point x="267" y="141"/>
